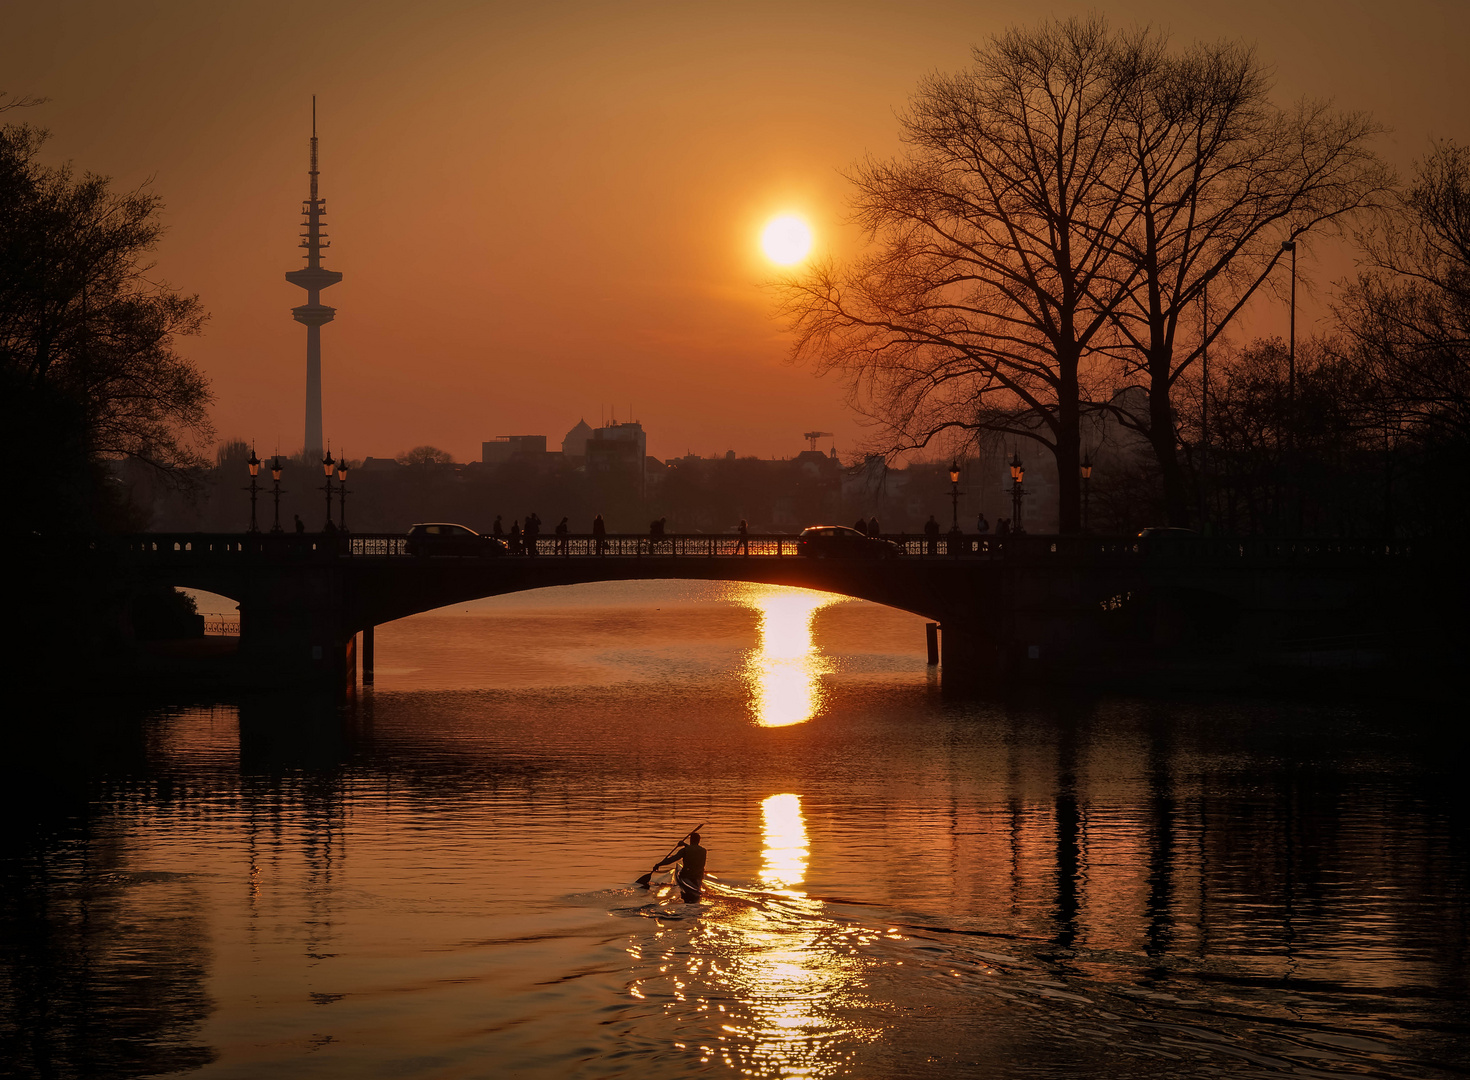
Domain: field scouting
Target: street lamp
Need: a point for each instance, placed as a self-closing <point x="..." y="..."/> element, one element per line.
<point x="1018" y="474"/>
<point x="1086" y="480"/>
<point x="1290" y="245"/>
<point x="342" y="493"/>
<point x="276" y="480"/>
<point x="327" y="466"/>
<point x="254" y="465"/>
<point x="954" y="495"/>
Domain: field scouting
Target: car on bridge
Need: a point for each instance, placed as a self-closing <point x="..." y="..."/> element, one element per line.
<point x="841" y="542"/>
<point x="445" y="538"/>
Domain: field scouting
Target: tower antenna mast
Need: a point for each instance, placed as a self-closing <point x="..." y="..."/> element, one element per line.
<point x="313" y="314"/>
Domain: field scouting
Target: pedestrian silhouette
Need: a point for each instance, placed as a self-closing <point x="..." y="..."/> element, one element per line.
<point x="599" y="534"/>
<point x="744" y="531"/>
<point x="873" y="525"/>
<point x="862" y="526"/>
<point x="497" y="531"/>
<point x="981" y="525"/>
<point x="561" y="538"/>
<point x="515" y="537"/>
<point x="300" y="525"/>
<point x="931" y="532"/>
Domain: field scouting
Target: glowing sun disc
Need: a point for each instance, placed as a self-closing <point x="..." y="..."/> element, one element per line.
<point x="786" y="239"/>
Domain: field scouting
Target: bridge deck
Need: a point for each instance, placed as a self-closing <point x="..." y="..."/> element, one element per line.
<point x="949" y="546"/>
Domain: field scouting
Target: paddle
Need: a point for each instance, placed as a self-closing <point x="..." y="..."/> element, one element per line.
<point x="642" y="882"/>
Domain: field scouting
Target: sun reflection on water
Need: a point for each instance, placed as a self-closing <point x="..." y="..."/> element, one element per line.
<point x="784" y="672"/>
<point x="785" y="837"/>
<point x="792" y="975"/>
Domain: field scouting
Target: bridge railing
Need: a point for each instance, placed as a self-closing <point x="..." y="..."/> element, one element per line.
<point x="1098" y="550"/>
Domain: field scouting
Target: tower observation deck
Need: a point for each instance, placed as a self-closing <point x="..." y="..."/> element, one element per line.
<point x="313" y="314"/>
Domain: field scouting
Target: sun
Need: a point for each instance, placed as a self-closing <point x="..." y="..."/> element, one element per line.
<point x="786" y="239"/>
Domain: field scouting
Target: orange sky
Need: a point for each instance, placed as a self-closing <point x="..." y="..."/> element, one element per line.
<point x="547" y="210"/>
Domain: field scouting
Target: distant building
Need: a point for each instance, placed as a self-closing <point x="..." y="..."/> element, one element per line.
<point x="618" y="450"/>
<point x="379" y="464"/>
<point x="508" y="448"/>
<point x="575" y="444"/>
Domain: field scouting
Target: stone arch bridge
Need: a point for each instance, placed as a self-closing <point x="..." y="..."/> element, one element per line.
<point x="1004" y="605"/>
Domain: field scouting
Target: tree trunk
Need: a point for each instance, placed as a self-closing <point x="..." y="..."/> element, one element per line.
<point x="1165" y="443"/>
<point x="1069" y="451"/>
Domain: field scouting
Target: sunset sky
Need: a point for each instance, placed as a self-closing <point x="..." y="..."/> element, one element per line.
<point x="547" y="212"/>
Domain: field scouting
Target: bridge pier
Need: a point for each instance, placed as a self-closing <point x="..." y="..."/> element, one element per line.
<point x="972" y="659"/>
<point x="367" y="655"/>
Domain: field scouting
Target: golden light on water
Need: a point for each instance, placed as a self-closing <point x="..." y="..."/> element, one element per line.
<point x="784" y="672"/>
<point x="785" y="841"/>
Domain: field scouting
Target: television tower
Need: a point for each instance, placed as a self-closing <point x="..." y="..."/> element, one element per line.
<point x="313" y="278"/>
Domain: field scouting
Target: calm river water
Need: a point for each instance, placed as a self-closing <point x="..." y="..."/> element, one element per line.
<point x="438" y="884"/>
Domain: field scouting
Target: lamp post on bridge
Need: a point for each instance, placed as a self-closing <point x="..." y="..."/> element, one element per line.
<point x="276" y="480"/>
<point x="327" y="465"/>
<point x="1018" y="474"/>
<point x="1086" y="469"/>
<point x="254" y="465"/>
<point x="342" y="493"/>
<point x="954" y="495"/>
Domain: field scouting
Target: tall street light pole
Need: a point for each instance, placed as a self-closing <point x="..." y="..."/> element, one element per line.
<point x="1086" y="481"/>
<point x="1290" y="245"/>
<point x="954" y="495"/>
<point x="342" y="492"/>
<point x="254" y="466"/>
<point x="1018" y="474"/>
<point x="327" y="465"/>
<point x="276" y="480"/>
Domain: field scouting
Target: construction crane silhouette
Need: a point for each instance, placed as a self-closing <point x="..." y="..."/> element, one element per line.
<point x="813" y="436"/>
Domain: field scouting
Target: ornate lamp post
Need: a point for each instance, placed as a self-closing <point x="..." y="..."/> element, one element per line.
<point x="276" y="480"/>
<point x="327" y="466"/>
<point x="342" y="493"/>
<point x="1018" y="474"/>
<point x="1086" y="479"/>
<point x="954" y="495"/>
<point x="254" y="465"/>
<point x="1290" y="245"/>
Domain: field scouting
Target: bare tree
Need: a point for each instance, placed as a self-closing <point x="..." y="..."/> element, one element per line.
<point x="1218" y="177"/>
<point x="1408" y="311"/>
<point x="425" y="455"/>
<point x="992" y="267"/>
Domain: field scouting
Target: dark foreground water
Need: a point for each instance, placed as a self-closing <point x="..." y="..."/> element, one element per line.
<point x="438" y="883"/>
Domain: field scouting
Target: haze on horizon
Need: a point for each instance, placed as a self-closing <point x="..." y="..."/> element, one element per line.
<point x="543" y="213"/>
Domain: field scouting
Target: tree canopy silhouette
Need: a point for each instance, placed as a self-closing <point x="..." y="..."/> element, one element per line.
<point x="1045" y="238"/>
<point x="87" y="353"/>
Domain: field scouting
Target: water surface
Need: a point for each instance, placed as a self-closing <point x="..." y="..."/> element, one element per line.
<point x="437" y="883"/>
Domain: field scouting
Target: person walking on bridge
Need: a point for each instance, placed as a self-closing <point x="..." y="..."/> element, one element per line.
<point x="931" y="534"/>
<point x="561" y="537"/>
<point x="691" y="874"/>
<point x="599" y="535"/>
<point x="744" y="530"/>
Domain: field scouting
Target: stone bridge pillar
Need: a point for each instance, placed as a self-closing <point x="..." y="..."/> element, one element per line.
<point x="294" y="630"/>
<point x="973" y="659"/>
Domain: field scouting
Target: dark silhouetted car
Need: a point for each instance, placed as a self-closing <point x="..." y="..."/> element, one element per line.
<point x="840" y="542"/>
<point x="444" y="538"/>
<point x="1160" y="539"/>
